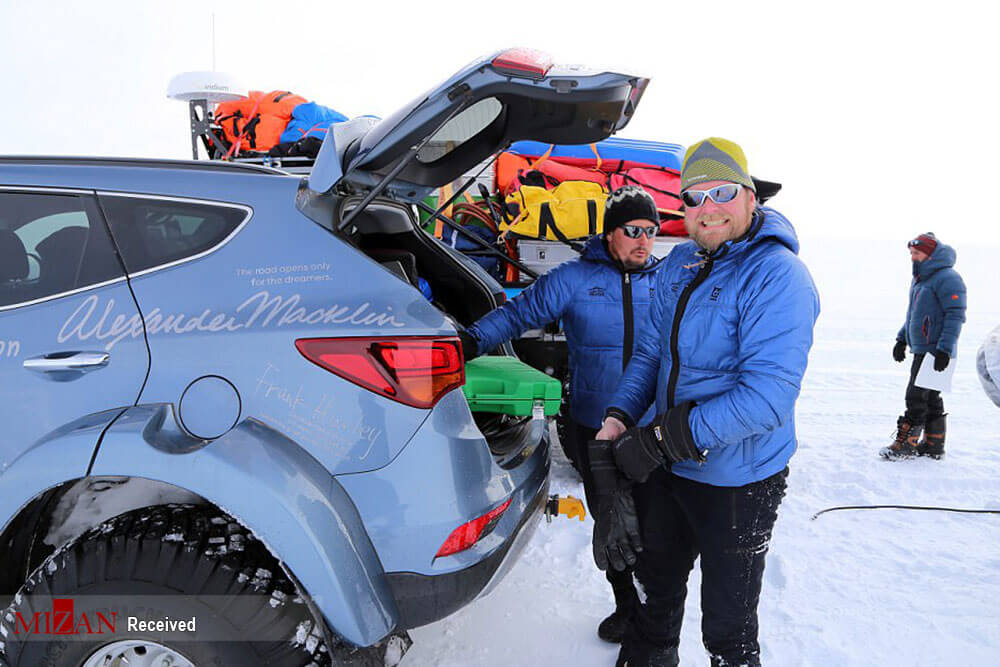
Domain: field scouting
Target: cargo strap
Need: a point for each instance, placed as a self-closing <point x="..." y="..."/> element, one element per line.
<point x="597" y="167"/>
<point x="444" y="194"/>
<point x="546" y="222"/>
<point x="541" y="158"/>
<point x="647" y="186"/>
<point x="249" y="127"/>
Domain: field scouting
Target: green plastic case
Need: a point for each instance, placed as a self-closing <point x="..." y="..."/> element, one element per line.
<point x="506" y="385"/>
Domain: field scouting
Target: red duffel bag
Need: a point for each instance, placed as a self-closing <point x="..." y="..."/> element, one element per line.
<point x="664" y="185"/>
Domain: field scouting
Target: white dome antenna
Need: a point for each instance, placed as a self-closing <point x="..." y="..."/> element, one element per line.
<point x="199" y="90"/>
<point x="208" y="86"/>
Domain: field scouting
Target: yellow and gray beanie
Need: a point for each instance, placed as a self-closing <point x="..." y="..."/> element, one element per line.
<point x="715" y="159"/>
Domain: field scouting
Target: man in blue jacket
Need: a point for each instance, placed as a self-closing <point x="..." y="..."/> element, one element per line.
<point x="603" y="300"/>
<point x="934" y="319"/>
<point x="723" y="359"/>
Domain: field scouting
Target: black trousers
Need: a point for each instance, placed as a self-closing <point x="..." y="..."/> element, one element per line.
<point x="622" y="583"/>
<point x="922" y="405"/>
<point x="730" y="528"/>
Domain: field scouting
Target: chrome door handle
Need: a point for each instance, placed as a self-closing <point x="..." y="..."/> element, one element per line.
<point x="80" y="362"/>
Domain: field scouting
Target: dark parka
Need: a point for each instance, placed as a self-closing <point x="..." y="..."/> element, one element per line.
<point x="602" y="308"/>
<point x="936" y="310"/>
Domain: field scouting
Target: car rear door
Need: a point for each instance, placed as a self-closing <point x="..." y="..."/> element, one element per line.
<point x="227" y="290"/>
<point x="509" y="96"/>
<point x="72" y="352"/>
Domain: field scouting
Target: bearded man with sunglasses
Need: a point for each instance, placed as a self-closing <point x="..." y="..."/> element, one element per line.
<point x="723" y="359"/>
<point x="603" y="300"/>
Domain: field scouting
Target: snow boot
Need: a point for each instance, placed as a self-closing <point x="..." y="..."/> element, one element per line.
<point x="906" y="442"/>
<point x="612" y="629"/>
<point x="932" y="444"/>
<point x="641" y="654"/>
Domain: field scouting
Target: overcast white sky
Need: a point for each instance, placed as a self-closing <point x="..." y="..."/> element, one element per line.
<point x="880" y="118"/>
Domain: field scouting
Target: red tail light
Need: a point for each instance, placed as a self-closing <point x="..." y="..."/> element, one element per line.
<point x="416" y="371"/>
<point x="523" y="62"/>
<point x="469" y="533"/>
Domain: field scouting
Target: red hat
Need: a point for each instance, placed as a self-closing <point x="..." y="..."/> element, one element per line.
<point x="925" y="243"/>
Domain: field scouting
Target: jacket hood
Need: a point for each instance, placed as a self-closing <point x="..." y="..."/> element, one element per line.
<point x="596" y="250"/>
<point x="943" y="257"/>
<point x="776" y="226"/>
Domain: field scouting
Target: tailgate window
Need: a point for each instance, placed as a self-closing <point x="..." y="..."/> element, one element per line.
<point x="460" y="129"/>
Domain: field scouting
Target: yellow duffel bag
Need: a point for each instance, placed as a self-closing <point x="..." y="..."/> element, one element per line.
<point x="571" y="210"/>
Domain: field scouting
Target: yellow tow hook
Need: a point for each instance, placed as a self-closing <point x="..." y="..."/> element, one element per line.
<point x="570" y="506"/>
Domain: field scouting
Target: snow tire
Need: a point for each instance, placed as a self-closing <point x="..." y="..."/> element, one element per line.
<point x="196" y="557"/>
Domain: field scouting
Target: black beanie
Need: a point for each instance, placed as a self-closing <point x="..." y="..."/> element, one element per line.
<point x="627" y="203"/>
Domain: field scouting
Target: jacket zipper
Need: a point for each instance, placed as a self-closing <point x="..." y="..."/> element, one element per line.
<point x="629" y="319"/>
<point x="682" y="302"/>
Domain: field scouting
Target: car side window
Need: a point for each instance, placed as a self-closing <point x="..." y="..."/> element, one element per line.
<point x="155" y="232"/>
<point x="51" y="244"/>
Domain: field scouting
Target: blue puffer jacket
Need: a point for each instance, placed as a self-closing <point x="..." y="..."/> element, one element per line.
<point x="937" y="304"/>
<point x="731" y="332"/>
<point x="587" y="294"/>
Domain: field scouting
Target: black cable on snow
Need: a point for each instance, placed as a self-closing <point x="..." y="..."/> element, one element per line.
<point x="903" y="507"/>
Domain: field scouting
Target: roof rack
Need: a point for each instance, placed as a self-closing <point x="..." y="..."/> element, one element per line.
<point x="203" y="89"/>
<point x="199" y="165"/>
<point x="288" y="165"/>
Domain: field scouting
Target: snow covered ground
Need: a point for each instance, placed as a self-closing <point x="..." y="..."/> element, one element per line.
<point x="872" y="587"/>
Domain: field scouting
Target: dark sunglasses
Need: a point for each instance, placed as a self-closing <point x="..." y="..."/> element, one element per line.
<point x="635" y="231"/>
<point x="722" y="194"/>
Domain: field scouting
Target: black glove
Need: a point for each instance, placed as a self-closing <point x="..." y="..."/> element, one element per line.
<point x="616" y="526"/>
<point x="899" y="350"/>
<point x="941" y="360"/>
<point x="470" y="346"/>
<point x="667" y="439"/>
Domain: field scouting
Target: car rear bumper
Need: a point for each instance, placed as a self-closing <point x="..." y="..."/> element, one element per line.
<point x="444" y="478"/>
<point x="423" y="599"/>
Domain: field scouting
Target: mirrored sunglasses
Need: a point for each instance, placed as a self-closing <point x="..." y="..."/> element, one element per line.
<point x="721" y="194"/>
<point x="635" y="231"/>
